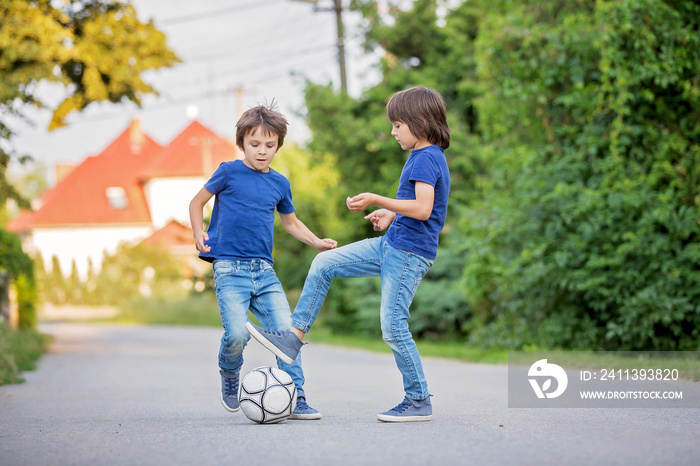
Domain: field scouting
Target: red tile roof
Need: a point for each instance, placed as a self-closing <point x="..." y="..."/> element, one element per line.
<point x="80" y="197"/>
<point x="171" y="235"/>
<point x="131" y="159"/>
<point x="196" y="151"/>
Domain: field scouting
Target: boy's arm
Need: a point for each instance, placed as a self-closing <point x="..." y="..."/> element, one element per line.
<point x="419" y="208"/>
<point x="197" y="219"/>
<point x="297" y="229"/>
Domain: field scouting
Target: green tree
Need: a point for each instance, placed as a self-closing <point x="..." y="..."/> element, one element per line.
<point x="317" y="201"/>
<point x="97" y="49"/>
<point x="419" y="51"/>
<point x="55" y="287"/>
<point x="74" y="286"/>
<point x="30" y="183"/>
<point x="588" y="236"/>
<point x="576" y="140"/>
<point x="133" y="272"/>
<point x="17" y="268"/>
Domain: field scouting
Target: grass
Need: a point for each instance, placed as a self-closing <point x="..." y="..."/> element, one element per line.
<point x="451" y="350"/>
<point x="19" y="352"/>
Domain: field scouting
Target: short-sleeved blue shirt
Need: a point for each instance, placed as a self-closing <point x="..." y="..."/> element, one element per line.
<point x="242" y="221"/>
<point x="421" y="236"/>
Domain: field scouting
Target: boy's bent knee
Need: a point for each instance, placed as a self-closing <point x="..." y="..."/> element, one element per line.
<point x="322" y="260"/>
<point x="322" y="265"/>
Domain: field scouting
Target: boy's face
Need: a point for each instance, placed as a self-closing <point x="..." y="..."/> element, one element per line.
<point x="403" y="135"/>
<point x="259" y="149"/>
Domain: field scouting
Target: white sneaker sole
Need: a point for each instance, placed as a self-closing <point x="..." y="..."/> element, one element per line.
<point x="387" y="418"/>
<point x="266" y="343"/>
<point x="306" y="417"/>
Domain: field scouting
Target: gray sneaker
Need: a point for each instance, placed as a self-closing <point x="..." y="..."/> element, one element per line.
<point x="304" y="411"/>
<point x="409" y="411"/>
<point x="229" y="391"/>
<point x="285" y="345"/>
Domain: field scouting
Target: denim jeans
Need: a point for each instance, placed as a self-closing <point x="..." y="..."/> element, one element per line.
<point x="400" y="273"/>
<point x="244" y="285"/>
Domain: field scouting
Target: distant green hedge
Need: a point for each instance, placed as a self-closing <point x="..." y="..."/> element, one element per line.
<point x="20" y="269"/>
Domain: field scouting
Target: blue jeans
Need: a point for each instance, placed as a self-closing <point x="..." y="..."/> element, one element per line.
<point x="244" y="285"/>
<point x="400" y="271"/>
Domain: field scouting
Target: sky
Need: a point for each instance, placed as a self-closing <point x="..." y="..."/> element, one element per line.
<point x="267" y="48"/>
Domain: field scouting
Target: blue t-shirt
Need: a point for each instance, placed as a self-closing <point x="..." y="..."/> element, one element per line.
<point x="421" y="236"/>
<point x="242" y="221"/>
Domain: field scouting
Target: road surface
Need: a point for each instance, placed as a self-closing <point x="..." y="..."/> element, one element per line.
<point x="139" y="395"/>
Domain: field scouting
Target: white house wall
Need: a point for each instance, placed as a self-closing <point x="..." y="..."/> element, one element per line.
<point x="83" y="243"/>
<point x="169" y="198"/>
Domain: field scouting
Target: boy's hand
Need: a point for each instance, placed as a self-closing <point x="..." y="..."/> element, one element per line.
<point x="381" y="219"/>
<point x="325" y="244"/>
<point x="199" y="239"/>
<point x="360" y="202"/>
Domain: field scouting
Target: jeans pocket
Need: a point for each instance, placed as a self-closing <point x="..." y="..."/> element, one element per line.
<point x="421" y="269"/>
<point x="221" y="270"/>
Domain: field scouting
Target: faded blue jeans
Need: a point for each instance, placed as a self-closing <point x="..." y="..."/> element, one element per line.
<point x="244" y="285"/>
<point x="400" y="273"/>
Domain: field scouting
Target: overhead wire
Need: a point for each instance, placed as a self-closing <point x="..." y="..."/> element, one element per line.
<point x="262" y="75"/>
<point x="170" y="101"/>
<point x="281" y="32"/>
<point x="213" y="13"/>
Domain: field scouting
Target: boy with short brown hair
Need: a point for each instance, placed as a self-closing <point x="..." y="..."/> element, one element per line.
<point x="238" y="242"/>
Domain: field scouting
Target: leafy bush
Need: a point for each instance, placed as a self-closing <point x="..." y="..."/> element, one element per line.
<point x="575" y="168"/>
<point x="19" y="351"/>
<point x="589" y="234"/>
<point x="131" y="273"/>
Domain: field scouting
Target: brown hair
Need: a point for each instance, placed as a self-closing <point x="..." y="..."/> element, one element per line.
<point x="266" y="118"/>
<point x="423" y="110"/>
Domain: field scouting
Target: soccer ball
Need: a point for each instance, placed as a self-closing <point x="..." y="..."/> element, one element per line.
<point x="267" y="395"/>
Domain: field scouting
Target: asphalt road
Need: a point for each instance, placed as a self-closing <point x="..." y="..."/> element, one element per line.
<point x="130" y="395"/>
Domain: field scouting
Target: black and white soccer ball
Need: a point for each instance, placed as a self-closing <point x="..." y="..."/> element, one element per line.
<point x="267" y="395"/>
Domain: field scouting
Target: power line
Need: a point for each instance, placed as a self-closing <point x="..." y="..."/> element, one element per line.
<point x="170" y="101"/>
<point x="212" y="14"/>
<point x="282" y="56"/>
<point x="277" y="62"/>
<point x="276" y="33"/>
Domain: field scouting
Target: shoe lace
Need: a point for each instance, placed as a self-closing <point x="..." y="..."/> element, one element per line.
<point x="231" y="386"/>
<point x="403" y="406"/>
<point x="302" y="405"/>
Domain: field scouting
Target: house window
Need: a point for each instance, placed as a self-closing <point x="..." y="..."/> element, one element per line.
<point x="117" y="197"/>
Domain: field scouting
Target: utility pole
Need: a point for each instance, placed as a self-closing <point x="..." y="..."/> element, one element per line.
<point x="340" y="41"/>
<point x="341" y="44"/>
<point x="239" y="90"/>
